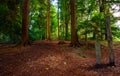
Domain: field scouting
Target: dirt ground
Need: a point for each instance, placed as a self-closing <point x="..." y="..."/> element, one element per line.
<point x="44" y="58"/>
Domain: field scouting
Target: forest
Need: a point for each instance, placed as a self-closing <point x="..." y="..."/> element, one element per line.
<point x="59" y="37"/>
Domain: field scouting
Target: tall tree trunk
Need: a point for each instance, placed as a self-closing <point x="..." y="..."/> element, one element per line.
<point x="110" y="45"/>
<point x="67" y="18"/>
<point x="66" y="29"/>
<point x="48" y="20"/>
<point x="74" y="38"/>
<point x="25" y="15"/>
<point x="102" y="11"/>
<point x="86" y="29"/>
<point x="58" y="21"/>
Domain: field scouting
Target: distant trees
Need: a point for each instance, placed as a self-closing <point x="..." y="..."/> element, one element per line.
<point x="81" y="17"/>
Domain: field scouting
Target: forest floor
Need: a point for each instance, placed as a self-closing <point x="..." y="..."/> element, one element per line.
<point x="48" y="58"/>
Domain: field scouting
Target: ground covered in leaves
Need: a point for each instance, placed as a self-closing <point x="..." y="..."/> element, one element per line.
<point x="48" y="58"/>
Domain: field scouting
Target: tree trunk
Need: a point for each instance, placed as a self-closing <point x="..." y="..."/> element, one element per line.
<point x="86" y="34"/>
<point x="67" y="18"/>
<point x="66" y="29"/>
<point x="74" y="38"/>
<point x="25" y="15"/>
<point x="48" y="20"/>
<point x="98" y="53"/>
<point x="58" y="21"/>
<point x="109" y="39"/>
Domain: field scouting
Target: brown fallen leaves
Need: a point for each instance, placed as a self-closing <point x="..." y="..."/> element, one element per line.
<point x="45" y="58"/>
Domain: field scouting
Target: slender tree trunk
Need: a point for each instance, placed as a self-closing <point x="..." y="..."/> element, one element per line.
<point x="67" y="16"/>
<point x="25" y="15"/>
<point x="98" y="53"/>
<point x="48" y="20"/>
<point x="86" y="34"/>
<point x="102" y="10"/>
<point x="66" y="29"/>
<point x="110" y="44"/>
<point x="101" y="34"/>
<point x="94" y="33"/>
<point x="63" y="34"/>
<point x="105" y="33"/>
<point x="58" y="21"/>
<point x="74" y="38"/>
<point x="97" y="44"/>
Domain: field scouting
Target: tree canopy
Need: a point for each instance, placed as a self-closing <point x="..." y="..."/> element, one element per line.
<point x="90" y="19"/>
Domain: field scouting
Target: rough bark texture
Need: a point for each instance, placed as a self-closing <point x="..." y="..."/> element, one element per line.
<point x="48" y="20"/>
<point x="110" y="45"/>
<point x="25" y="13"/>
<point x="74" y="38"/>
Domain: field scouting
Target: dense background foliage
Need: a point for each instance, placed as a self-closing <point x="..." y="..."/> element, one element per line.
<point x="90" y="21"/>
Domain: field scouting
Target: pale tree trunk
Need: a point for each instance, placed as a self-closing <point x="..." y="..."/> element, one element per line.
<point x="74" y="38"/>
<point x="110" y="44"/>
<point x="96" y="36"/>
<point x="48" y="20"/>
<point x="25" y="15"/>
<point x="98" y="53"/>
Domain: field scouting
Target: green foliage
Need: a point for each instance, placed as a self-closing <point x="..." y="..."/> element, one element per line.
<point x="89" y="20"/>
<point x="38" y="18"/>
<point x="10" y="23"/>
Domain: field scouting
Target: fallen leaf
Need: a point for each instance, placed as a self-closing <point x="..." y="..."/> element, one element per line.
<point x="46" y="68"/>
<point x="65" y="63"/>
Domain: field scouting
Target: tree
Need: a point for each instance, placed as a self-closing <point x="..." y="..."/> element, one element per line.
<point x="25" y="14"/>
<point x="110" y="45"/>
<point x="109" y="36"/>
<point x="74" y="38"/>
<point x="37" y="17"/>
<point x="67" y="18"/>
<point x="64" y="17"/>
<point x="58" y="12"/>
<point x="48" y="20"/>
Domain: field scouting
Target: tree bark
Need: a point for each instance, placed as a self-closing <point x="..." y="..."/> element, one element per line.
<point x="67" y="18"/>
<point x="58" y="21"/>
<point x="66" y="29"/>
<point x="25" y="15"/>
<point x="110" y="44"/>
<point x="74" y="38"/>
<point x="48" y="20"/>
<point x="98" y="53"/>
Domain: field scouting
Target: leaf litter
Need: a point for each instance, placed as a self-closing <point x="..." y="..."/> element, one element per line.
<point x="45" y="58"/>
